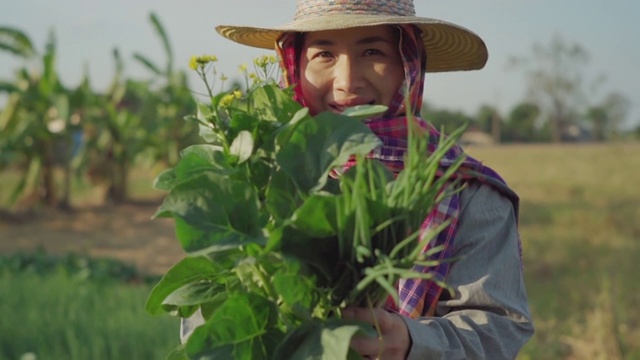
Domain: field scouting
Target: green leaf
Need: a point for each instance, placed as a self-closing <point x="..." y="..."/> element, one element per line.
<point x="271" y="103"/>
<point x="243" y="328"/>
<point x="375" y="180"/>
<point x="49" y="81"/>
<point x="213" y="210"/>
<point x="318" y="145"/>
<point x="185" y="300"/>
<point x="166" y="180"/>
<point x="328" y="340"/>
<point x="295" y="290"/>
<point x="242" y="146"/>
<point x="148" y="64"/>
<point x="317" y="216"/>
<point x="241" y="120"/>
<point x="16" y="42"/>
<point x="188" y="270"/>
<point x="281" y="200"/>
<point x="157" y="25"/>
<point x="202" y="158"/>
<point x="178" y="353"/>
<point x="8" y="87"/>
<point x="284" y="132"/>
<point x="362" y="112"/>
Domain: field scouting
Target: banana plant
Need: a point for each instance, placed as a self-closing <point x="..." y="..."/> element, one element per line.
<point x="33" y="125"/>
<point x="172" y="102"/>
<point x="114" y="136"/>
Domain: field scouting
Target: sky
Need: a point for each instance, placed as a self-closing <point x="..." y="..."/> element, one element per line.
<point x="88" y="30"/>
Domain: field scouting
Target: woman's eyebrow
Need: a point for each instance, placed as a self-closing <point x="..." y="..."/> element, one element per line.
<point x="321" y="42"/>
<point x="364" y="41"/>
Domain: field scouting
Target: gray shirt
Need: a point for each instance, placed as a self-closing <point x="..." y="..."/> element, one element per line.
<point x="488" y="316"/>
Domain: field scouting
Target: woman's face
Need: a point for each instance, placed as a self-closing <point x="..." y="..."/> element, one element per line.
<point x="349" y="67"/>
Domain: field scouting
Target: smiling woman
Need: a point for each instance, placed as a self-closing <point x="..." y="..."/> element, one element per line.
<point x="338" y="54"/>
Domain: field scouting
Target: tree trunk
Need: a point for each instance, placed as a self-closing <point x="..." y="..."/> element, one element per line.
<point x="48" y="189"/>
<point x="496" y="129"/>
<point x="117" y="191"/>
<point x="65" y="201"/>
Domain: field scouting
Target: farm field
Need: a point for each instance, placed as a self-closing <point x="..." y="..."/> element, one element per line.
<point x="580" y="212"/>
<point x="580" y="208"/>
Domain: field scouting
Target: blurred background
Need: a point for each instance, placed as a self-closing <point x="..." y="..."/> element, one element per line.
<point x="92" y="100"/>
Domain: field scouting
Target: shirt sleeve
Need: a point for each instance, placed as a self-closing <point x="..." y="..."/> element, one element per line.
<point x="488" y="315"/>
<point x="188" y="325"/>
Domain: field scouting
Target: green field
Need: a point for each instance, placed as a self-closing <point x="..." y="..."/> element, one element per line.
<point x="62" y="317"/>
<point x="579" y="224"/>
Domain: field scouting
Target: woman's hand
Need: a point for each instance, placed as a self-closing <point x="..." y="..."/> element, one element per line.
<point x="393" y="342"/>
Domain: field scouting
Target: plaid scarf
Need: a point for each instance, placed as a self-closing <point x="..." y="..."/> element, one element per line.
<point x="418" y="297"/>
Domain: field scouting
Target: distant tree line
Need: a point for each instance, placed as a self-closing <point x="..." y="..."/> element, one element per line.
<point x="560" y="106"/>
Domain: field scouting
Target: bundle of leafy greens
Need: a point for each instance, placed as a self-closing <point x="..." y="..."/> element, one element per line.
<point x="278" y="242"/>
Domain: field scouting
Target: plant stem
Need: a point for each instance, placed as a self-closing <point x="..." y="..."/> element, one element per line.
<point x="265" y="282"/>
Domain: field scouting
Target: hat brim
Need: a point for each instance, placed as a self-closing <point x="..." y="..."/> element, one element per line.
<point x="449" y="47"/>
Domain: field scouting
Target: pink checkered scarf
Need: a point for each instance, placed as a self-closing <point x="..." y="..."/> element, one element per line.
<point x="417" y="297"/>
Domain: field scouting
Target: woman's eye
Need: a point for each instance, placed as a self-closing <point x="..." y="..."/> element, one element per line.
<point x="315" y="54"/>
<point x="371" y="52"/>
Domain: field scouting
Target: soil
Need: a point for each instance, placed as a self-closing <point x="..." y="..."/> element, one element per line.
<point x="125" y="232"/>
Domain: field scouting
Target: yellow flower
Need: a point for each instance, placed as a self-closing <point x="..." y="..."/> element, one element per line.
<point x="264" y="61"/>
<point x="237" y="94"/>
<point x="255" y="78"/>
<point x="243" y="68"/>
<point x="201" y="61"/>
<point x="223" y="77"/>
<point x="193" y="63"/>
<point x="226" y="100"/>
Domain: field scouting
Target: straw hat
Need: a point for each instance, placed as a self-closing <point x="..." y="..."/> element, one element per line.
<point x="449" y="47"/>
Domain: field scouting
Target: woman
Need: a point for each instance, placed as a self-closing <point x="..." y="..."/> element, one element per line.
<point x="344" y="53"/>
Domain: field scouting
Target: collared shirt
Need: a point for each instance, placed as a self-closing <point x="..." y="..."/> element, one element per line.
<point x="488" y="315"/>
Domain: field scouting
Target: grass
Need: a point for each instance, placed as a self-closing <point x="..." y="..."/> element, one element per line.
<point x="62" y="317"/>
<point x="579" y="227"/>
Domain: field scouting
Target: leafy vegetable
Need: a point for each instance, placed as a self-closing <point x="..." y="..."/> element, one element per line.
<point x="279" y="243"/>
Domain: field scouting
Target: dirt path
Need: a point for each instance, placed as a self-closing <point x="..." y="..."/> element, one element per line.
<point x="125" y="232"/>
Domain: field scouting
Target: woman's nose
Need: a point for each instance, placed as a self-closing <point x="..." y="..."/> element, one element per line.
<point x="348" y="76"/>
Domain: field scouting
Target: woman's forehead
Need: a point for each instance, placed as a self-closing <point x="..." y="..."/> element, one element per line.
<point x="358" y="35"/>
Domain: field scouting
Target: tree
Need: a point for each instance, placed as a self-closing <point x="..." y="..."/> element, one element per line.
<point x="444" y="119"/>
<point x="556" y="82"/>
<point x="489" y="121"/>
<point x="606" y="117"/>
<point x="521" y="123"/>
